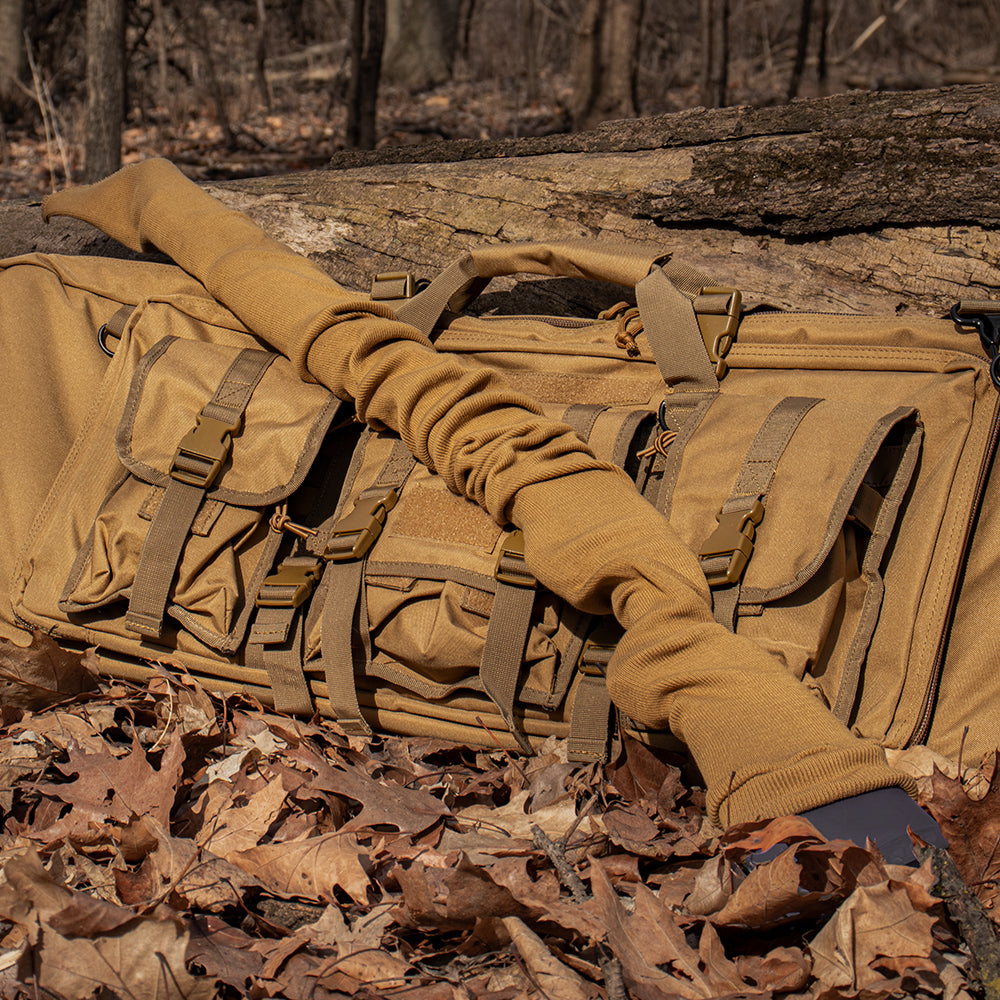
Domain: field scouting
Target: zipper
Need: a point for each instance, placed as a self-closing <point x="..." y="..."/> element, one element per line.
<point x="922" y="728"/>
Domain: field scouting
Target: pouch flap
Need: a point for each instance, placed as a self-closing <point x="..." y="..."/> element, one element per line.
<point x="282" y="429"/>
<point x="807" y="487"/>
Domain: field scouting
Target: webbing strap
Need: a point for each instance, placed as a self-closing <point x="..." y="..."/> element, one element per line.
<point x="424" y="310"/>
<point x="196" y="465"/>
<point x="507" y="633"/>
<point x="590" y="718"/>
<point x="725" y="554"/>
<point x="346" y="651"/>
<point x="665" y="301"/>
<point x="582" y="416"/>
<point x="275" y="640"/>
<point x="275" y="645"/>
<point x="665" y="298"/>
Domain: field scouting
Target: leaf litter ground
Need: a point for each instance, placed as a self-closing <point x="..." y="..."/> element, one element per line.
<point x="162" y="841"/>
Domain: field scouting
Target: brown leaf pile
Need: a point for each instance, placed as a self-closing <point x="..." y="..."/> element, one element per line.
<point x="160" y="841"/>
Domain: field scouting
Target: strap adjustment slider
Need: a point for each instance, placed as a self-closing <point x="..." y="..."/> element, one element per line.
<point x="731" y="541"/>
<point x="511" y="568"/>
<point x="393" y="285"/>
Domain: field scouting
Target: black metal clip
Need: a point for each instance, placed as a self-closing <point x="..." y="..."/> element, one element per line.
<point x="969" y="316"/>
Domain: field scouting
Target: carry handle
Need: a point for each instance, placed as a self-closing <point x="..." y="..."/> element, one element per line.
<point x="665" y="291"/>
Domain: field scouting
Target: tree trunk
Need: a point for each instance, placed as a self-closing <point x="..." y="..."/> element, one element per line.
<point x="605" y="59"/>
<point x="861" y="202"/>
<point x="367" y="36"/>
<point x="715" y="53"/>
<point x="421" y="42"/>
<point x="801" y="48"/>
<point x="105" y="87"/>
<point x="11" y="54"/>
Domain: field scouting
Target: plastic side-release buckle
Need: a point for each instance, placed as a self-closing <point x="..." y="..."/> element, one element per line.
<point x="511" y="567"/>
<point x="732" y="541"/>
<point x="203" y="450"/>
<point x="393" y="285"/>
<point x="718" y="310"/>
<point x="355" y="534"/>
<point x="290" y="585"/>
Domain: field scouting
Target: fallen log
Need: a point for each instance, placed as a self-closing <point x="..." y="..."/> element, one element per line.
<point x="860" y="202"/>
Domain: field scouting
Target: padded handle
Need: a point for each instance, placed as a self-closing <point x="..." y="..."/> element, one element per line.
<point x="664" y="292"/>
<point x="459" y="283"/>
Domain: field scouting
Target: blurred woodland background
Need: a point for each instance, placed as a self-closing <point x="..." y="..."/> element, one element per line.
<point x="246" y="87"/>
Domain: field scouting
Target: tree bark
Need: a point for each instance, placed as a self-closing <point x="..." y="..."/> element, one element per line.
<point x="863" y="202"/>
<point x="105" y="87"/>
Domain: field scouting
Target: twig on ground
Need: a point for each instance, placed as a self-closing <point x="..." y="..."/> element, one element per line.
<point x="611" y="968"/>
<point x="973" y="922"/>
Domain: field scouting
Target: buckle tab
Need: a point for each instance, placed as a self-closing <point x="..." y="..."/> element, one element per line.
<point x="354" y="534"/>
<point x="290" y="585"/>
<point x="203" y="450"/>
<point x="733" y="541"/>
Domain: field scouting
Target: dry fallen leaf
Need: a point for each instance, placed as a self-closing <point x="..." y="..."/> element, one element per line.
<point x="311" y="867"/>
<point x="42" y="673"/>
<point x="80" y="944"/>
<point x="877" y="927"/>
<point x="972" y="829"/>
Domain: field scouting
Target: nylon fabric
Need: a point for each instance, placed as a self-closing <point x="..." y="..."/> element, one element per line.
<point x="763" y="740"/>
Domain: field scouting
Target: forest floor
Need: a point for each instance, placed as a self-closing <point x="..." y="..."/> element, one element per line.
<point x="162" y="841"/>
<point x="298" y="132"/>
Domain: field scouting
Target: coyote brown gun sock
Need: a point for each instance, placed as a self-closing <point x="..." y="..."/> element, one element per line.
<point x="763" y="743"/>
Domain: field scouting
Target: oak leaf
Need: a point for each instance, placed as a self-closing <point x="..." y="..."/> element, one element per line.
<point x="109" y="788"/>
<point x="972" y="828"/>
<point x="781" y="970"/>
<point x="646" y="940"/>
<point x="876" y="922"/>
<point x="383" y="803"/>
<point x="81" y="944"/>
<point x="42" y="673"/>
<point x="311" y="867"/>
<point x="553" y="979"/>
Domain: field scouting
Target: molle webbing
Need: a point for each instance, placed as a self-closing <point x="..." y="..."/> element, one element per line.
<point x="350" y="540"/>
<point x="507" y="634"/>
<point x="725" y="553"/>
<point x="197" y="464"/>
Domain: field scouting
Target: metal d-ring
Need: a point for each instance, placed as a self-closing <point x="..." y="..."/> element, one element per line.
<point x="102" y="340"/>
<point x="661" y="416"/>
